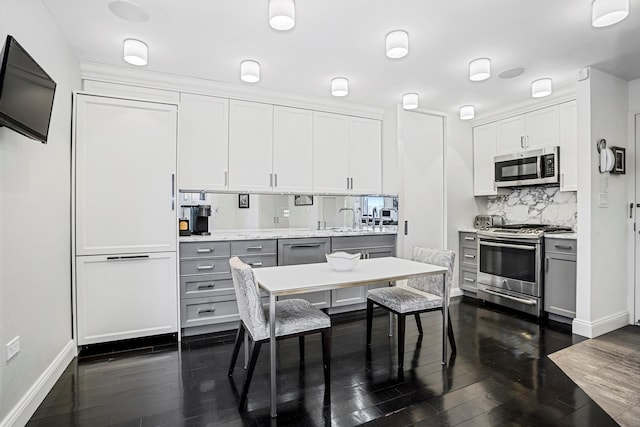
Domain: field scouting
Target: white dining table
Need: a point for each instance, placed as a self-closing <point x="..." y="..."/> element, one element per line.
<point x="303" y="278"/>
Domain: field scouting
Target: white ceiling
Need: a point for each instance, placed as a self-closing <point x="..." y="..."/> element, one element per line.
<point x="209" y="38"/>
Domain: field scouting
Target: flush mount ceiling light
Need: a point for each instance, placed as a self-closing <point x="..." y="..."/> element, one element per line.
<point x="608" y="12"/>
<point x="135" y="52"/>
<point x="467" y="112"/>
<point x="479" y="69"/>
<point x="410" y="101"/>
<point x="249" y="71"/>
<point x="339" y="86"/>
<point x="128" y="10"/>
<point x="282" y="14"/>
<point x="397" y="44"/>
<point x="540" y="88"/>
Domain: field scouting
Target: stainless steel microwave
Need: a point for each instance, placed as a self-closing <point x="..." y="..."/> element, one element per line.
<point x="533" y="167"/>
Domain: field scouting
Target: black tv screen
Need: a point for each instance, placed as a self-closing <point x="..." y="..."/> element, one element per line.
<point x="26" y="93"/>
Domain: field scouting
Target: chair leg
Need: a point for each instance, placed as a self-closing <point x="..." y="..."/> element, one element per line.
<point x="236" y="348"/>
<point x="255" y="350"/>
<point x="418" y="323"/>
<point x="452" y="339"/>
<point x="369" y="321"/>
<point x="301" y="345"/>
<point x="326" y="356"/>
<point x="401" y="328"/>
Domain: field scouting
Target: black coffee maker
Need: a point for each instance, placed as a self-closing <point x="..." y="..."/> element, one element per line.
<point x="200" y="219"/>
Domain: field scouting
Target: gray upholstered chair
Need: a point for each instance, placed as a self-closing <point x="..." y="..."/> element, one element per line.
<point x="294" y="318"/>
<point x="418" y="296"/>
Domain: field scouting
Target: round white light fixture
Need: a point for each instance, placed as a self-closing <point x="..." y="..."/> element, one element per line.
<point x="467" y="112"/>
<point x="608" y="12"/>
<point x="249" y="71"/>
<point x="397" y="44"/>
<point x="479" y="69"/>
<point x="339" y="86"/>
<point x="135" y="52"/>
<point x="282" y="14"/>
<point x="128" y="10"/>
<point x="410" y="101"/>
<point x="540" y="88"/>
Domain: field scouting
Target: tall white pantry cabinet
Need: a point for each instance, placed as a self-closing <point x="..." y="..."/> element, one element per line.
<point x="125" y="218"/>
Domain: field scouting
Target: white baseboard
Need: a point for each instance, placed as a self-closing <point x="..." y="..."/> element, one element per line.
<point x="456" y="292"/>
<point x="27" y="405"/>
<point x="601" y="326"/>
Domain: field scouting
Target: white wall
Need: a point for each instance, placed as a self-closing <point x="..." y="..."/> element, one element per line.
<point x="602" y="297"/>
<point x="35" y="260"/>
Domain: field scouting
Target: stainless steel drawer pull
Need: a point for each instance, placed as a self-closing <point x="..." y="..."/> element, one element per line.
<point x="206" y="267"/>
<point x="209" y="310"/>
<point x="469" y="238"/>
<point x="469" y="256"/>
<point x="255" y="264"/>
<point x="310" y="245"/>
<point x="205" y="250"/>
<point x="467" y="279"/>
<point x="254" y="248"/>
<point x="125" y="257"/>
<point x="568" y="247"/>
<point x="210" y="286"/>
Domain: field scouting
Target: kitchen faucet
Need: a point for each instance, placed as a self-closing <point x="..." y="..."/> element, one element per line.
<point x="353" y="224"/>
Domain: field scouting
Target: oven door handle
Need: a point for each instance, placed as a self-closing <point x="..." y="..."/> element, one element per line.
<point x="507" y="245"/>
<point x="520" y="300"/>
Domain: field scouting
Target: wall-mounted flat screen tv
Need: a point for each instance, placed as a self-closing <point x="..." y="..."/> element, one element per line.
<point x="26" y="93"/>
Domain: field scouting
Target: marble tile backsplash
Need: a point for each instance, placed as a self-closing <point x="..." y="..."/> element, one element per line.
<point x="536" y="205"/>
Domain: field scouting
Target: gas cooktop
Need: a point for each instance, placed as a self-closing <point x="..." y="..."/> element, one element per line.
<point x="525" y="230"/>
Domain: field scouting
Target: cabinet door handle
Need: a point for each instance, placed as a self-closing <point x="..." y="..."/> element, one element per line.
<point x="308" y="245"/>
<point x="209" y="310"/>
<point x="209" y="286"/>
<point x="469" y="256"/>
<point x="546" y="265"/>
<point x="275" y="180"/>
<point x="567" y="247"/>
<point x="522" y="142"/>
<point x="226" y="178"/>
<point x="469" y="238"/>
<point x="173" y="191"/>
<point x="347" y="183"/>
<point x="406" y="228"/>
<point x="127" y="257"/>
<point x="255" y="248"/>
<point x="206" y="267"/>
<point x="205" y="250"/>
<point x="256" y="264"/>
<point x="351" y="182"/>
<point x="467" y="279"/>
<point x="270" y="180"/>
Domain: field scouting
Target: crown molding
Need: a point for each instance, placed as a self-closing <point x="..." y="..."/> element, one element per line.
<point x="559" y="96"/>
<point x="172" y="82"/>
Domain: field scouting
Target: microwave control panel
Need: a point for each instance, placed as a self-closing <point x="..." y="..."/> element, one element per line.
<point x="548" y="165"/>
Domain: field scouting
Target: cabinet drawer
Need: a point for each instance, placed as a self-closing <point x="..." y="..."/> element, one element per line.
<point x="355" y="242"/>
<point x="468" y="239"/>
<point x="206" y="311"/>
<point x="303" y="251"/>
<point x="257" y="261"/>
<point x="469" y="256"/>
<point x="204" y="249"/>
<point x="562" y="246"/>
<point x="204" y="266"/>
<point x="468" y="280"/>
<point x="205" y="285"/>
<point x="251" y="247"/>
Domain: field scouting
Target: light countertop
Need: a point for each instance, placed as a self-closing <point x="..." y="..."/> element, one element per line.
<point x="287" y="233"/>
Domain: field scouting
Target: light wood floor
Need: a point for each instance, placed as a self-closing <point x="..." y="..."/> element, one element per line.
<point x="607" y="368"/>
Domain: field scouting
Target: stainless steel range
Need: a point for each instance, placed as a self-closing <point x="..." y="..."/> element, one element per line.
<point x="510" y="265"/>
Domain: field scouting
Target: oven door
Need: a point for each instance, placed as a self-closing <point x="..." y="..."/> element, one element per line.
<point x="510" y="264"/>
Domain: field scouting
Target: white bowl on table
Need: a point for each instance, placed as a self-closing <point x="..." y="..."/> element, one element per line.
<point x="343" y="261"/>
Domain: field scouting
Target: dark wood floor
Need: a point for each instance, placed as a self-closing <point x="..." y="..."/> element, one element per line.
<point x="501" y="376"/>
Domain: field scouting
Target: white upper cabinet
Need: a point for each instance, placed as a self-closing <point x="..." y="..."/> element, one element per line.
<point x="484" y="150"/>
<point x="250" y="146"/>
<point x="125" y="165"/>
<point x="347" y="154"/>
<point x="535" y="129"/>
<point x="568" y="146"/>
<point x="203" y="141"/>
<point x="292" y="150"/>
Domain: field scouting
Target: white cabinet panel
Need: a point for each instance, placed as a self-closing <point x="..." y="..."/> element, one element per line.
<point x="511" y="133"/>
<point x="203" y="141"/>
<point x="365" y="155"/>
<point x="542" y="128"/>
<point x="292" y="149"/>
<point x="330" y="153"/>
<point x="250" y="146"/>
<point x="125" y="176"/>
<point x="568" y="146"/>
<point x="124" y="297"/>
<point x="484" y="150"/>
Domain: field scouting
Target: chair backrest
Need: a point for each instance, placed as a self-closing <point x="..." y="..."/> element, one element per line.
<point x="440" y="257"/>
<point x="248" y="297"/>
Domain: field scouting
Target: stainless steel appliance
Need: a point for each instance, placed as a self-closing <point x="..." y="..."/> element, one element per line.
<point x="200" y="219"/>
<point x="487" y="221"/>
<point x="534" y="167"/>
<point x="510" y="264"/>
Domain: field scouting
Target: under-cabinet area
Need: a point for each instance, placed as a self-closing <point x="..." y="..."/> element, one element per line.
<point x="207" y="298"/>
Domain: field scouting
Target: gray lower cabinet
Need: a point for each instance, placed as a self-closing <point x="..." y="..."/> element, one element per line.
<point x="375" y="246"/>
<point x="306" y="251"/>
<point x="468" y="262"/>
<point x="560" y="278"/>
